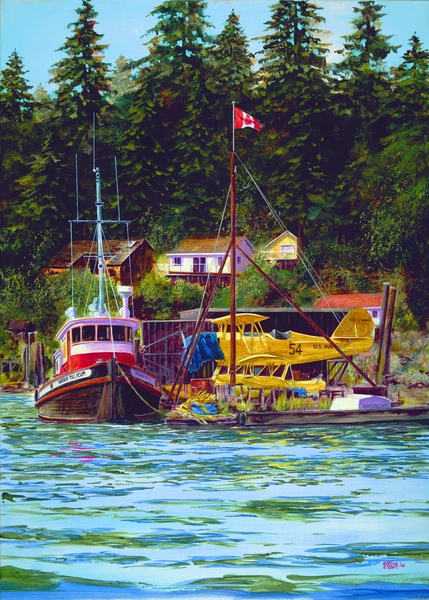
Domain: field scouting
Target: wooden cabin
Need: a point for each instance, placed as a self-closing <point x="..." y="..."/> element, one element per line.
<point x="283" y="250"/>
<point x="119" y="256"/>
<point x="198" y="257"/>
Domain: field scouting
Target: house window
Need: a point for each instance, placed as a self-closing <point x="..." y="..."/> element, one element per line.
<point x="199" y="264"/>
<point x="218" y="261"/>
<point x="177" y="261"/>
<point x="287" y="250"/>
<point x="238" y="260"/>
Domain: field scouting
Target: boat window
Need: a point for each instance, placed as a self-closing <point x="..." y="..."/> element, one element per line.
<point x="75" y="335"/>
<point x="118" y="333"/>
<point x="103" y="333"/>
<point x="88" y="333"/>
<point x="129" y="334"/>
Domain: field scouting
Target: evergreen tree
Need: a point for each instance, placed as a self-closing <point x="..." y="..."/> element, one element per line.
<point x="16" y="102"/>
<point x="362" y="87"/>
<point x="410" y="103"/>
<point x="18" y="137"/>
<point x="43" y="105"/>
<point x="170" y="147"/>
<point x="231" y="62"/>
<point x="49" y="190"/>
<point x="363" y="72"/>
<point x="180" y="37"/>
<point x="122" y="80"/>
<point x="395" y="181"/>
<point x="298" y="118"/>
<point x="82" y="76"/>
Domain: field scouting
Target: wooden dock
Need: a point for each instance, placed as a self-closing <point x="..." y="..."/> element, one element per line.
<point x="305" y="418"/>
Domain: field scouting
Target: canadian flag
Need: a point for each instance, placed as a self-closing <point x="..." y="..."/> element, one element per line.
<point x="242" y="120"/>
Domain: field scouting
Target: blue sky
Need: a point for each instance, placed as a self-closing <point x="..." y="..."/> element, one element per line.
<point x="36" y="28"/>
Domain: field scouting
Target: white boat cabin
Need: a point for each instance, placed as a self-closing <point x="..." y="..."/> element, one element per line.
<point x="89" y="340"/>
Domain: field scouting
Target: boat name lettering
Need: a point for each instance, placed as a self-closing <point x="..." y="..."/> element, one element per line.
<point x="370" y="406"/>
<point x="68" y="378"/>
<point x="73" y="376"/>
<point x="142" y="375"/>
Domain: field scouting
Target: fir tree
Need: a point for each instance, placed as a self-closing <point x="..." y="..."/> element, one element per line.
<point x="82" y="76"/>
<point x="231" y="62"/>
<point x="363" y="70"/>
<point x="298" y="119"/>
<point x="18" y="138"/>
<point x="180" y="36"/>
<point x="48" y="191"/>
<point x="411" y="96"/>
<point x="122" y="80"/>
<point x="363" y="87"/>
<point x="16" y="102"/>
<point x="167" y="147"/>
<point x="366" y="48"/>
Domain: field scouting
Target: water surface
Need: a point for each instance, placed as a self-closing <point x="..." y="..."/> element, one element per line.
<point x="120" y="511"/>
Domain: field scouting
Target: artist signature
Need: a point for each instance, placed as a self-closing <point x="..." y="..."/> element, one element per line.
<point x="390" y="564"/>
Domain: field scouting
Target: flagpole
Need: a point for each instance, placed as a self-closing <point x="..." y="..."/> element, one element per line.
<point x="232" y="264"/>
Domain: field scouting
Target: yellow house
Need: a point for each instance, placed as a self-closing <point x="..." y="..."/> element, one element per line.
<point x="283" y="248"/>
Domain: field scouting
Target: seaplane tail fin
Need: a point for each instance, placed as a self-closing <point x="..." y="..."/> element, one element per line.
<point x="356" y="324"/>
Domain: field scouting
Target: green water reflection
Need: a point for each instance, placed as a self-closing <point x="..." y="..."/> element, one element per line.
<point x="277" y="512"/>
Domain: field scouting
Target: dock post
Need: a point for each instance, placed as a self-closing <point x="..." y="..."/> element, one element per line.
<point x="379" y="373"/>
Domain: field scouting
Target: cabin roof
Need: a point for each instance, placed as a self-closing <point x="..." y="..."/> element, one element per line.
<point x="20" y="326"/>
<point x="205" y="245"/>
<point x="116" y="252"/>
<point x="283" y="234"/>
<point x="351" y="301"/>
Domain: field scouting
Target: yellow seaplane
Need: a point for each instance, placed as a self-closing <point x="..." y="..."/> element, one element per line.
<point x="263" y="359"/>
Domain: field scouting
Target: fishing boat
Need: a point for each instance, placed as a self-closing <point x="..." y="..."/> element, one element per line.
<point x="96" y="373"/>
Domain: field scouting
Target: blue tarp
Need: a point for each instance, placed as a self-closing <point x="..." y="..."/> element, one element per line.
<point x="207" y="348"/>
<point x="300" y="391"/>
<point x="210" y="408"/>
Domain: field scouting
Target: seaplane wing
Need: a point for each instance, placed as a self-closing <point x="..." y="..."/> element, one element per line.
<point x="261" y="359"/>
<point x="267" y="382"/>
<point x="352" y="336"/>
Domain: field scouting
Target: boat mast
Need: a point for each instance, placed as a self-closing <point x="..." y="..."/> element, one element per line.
<point x="100" y="254"/>
<point x="232" y="266"/>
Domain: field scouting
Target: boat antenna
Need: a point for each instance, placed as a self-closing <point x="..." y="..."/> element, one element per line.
<point x="71" y="230"/>
<point x="77" y="191"/>
<point x="71" y="260"/>
<point x="129" y="245"/>
<point x="100" y="254"/>
<point x="117" y="189"/>
<point x="93" y="142"/>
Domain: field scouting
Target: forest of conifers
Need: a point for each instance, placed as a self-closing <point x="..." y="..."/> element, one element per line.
<point x="342" y="155"/>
